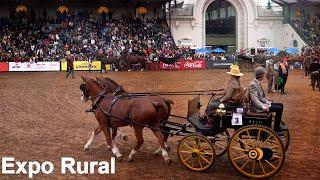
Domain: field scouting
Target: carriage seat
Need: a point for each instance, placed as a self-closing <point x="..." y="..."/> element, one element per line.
<point x="257" y="114"/>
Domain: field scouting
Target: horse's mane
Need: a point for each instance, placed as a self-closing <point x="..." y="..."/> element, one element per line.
<point x="112" y="81"/>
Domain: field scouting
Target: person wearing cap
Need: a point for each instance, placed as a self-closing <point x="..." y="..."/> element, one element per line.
<point x="231" y="92"/>
<point x="259" y="102"/>
<point x="270" y="73"/>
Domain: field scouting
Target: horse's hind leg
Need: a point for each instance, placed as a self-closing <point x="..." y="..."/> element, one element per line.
<point x="139" y="137"/>
<point x="96" y="131"/>
<point x="164" y="152"/>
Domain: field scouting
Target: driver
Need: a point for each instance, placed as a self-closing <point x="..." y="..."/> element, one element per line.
<point x="259" y="102"/>
<point x="233" y="92"/>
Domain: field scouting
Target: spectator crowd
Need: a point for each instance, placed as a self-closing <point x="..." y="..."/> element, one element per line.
<point x="31" y="37"/>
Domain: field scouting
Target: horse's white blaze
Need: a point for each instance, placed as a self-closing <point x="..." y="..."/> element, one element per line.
<point x="89" y="143"/>
<point x="83" y="99"/>
<point x="132" y="154"/>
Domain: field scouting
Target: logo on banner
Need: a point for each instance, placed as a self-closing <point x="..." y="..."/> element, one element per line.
<point x="195" y="64"/>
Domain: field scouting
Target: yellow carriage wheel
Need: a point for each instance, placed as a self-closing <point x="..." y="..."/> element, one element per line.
<point x="196" y="152"/>
<point x="256" y="151"/>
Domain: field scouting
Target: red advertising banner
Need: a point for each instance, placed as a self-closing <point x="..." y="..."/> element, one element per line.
<point x="184" y="65"/>
<point x="4" y="67"/>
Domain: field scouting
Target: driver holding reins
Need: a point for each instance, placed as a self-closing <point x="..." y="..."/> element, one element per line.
<point x="233" y="93"/>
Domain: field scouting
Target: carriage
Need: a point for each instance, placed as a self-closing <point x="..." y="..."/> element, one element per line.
<point x="254" y="149"/>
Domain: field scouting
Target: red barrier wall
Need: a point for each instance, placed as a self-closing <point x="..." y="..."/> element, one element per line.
<point x="4" y="67"/>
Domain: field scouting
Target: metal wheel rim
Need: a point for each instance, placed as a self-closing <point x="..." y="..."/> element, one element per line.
<point x="256" y="151"/>
<point x="196" y="152"/>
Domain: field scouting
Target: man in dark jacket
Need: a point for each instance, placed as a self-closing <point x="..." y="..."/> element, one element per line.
<point x="70" y="70"/>
<point x="283" y="74"/>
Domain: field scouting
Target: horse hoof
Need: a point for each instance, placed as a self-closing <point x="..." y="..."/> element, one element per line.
<point x="87" y="147"/>
<point x="130" y="160"/>
<point x="142" y="70"/>
<point x="108" y="147"/>
<point x="116" y="70"/>
<point x="168" y="161"/>
<point x="129" y="70"/>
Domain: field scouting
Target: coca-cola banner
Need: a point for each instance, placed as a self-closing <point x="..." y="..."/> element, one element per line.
<point x="184" y="65"/>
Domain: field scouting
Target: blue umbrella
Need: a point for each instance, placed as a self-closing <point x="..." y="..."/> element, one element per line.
<point x="203" y="51"/>
<point x="273" y="50"/>
<point x="219" y="50"/>
<point x="292" y="50"/>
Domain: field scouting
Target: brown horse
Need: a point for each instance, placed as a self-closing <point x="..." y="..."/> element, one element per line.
<point x="112" y="112"/>
<point x="163" y="113"/>
<point x="135" y="59"/>
<point x="113" y="60"/>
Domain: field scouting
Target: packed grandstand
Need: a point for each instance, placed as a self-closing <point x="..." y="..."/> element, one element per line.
<point x="29" y="35"/>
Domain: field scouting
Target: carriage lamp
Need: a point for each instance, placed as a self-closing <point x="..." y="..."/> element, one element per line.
<point x="221" y="111"/>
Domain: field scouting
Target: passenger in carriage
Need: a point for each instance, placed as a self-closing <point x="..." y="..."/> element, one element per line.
<point x="232" y="95"/>
<point x="259" y="102"/>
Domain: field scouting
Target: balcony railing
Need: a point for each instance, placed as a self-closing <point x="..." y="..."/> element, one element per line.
<point x="273" y="11"/>
<point x="185" y="10"/>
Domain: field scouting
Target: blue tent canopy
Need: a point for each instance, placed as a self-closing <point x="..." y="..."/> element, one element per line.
<point x="203" y="51"/>
<point x="219" y="50"/>
<point x="273" y="50"/>
<point x="292" y="50"/>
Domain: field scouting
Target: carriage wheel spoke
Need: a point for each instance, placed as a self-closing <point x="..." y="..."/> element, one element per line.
<point x="265" y="141"/>
<point x="270" y="164"/>
<point x="243" y="142"/>
<point x="240" y="157"/>
<point x="250" y="140"/>
<point x="206" y="153"/>
<point x="245" y="164"/>
<point x="240" y="149"/>
<point x="262" y="167"/>
<point x="199" y="162"/>
<point x="188" y="146"/>
<point x="188" y="152"/>
<point x="205" y="159"/>
<point x="193" y="162"/>
<point x="203" y="147"/>
<point x="274" y="147"/>
<point x="253" y="167"/>
<point x="185" y="160"/>
<point x="276" y="156"/>
<point x="258" y="137"/>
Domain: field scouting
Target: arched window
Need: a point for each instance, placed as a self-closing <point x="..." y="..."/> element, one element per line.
<point x="295" y="43"/>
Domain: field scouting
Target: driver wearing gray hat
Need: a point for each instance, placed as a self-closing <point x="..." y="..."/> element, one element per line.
<point x="259" y="102"/>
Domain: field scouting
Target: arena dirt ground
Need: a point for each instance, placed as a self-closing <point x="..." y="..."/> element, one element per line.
<point x="42" y="118"/>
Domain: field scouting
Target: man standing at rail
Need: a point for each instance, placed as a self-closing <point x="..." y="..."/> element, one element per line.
<point x="70" y="69"/>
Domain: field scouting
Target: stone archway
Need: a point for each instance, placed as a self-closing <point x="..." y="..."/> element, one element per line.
<point x="242" y="8"/>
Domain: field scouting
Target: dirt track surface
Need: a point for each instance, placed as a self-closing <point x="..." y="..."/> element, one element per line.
<point x="42" y="118"/>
